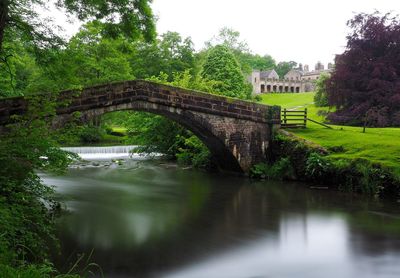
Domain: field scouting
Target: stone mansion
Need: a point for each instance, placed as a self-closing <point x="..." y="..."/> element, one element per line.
<point x="295" y="81"/>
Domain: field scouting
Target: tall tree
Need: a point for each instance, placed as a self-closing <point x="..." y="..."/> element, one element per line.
<point x="94" y="59"/>
<point x="231" y="39"/>
<point x="3" y="18"/>
<point x="258" y="62"/>
<point x="17" y="69"/>
<point x="169" y="54"/>
<point x="89" y="58"/>
<point x="320" y="97"/>
<point x="177" y="52"/>
<point x="284" y="67"/>
<point x="222" y="66"/>
<point x="248" y="61"/>
<point x="365" y="86"/>
<point x="133" y="18"/>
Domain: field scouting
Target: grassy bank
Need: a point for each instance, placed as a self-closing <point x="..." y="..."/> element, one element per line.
<point x="377" y="145"/>
<point x="92" y="136"/>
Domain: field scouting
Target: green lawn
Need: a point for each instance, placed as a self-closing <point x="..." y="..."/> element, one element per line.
<point x="380" y="145"/>
<point x="119" y="129"/>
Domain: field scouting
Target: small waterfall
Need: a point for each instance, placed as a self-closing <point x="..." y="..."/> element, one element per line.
<point x="101" y="153"/>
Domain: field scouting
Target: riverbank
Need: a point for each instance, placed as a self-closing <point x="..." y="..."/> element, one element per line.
<point x="377" y="145"/>
<point x="374" y="153"/>
<point x="89" y="135"/>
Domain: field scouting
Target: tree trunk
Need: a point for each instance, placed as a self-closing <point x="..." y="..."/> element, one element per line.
<point x="3" y="19"/>
<point x="365" y="121"/>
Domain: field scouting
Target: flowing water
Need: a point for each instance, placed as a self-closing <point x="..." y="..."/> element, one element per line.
<point x="147" y="218"/>
<point x="103" y="153"/>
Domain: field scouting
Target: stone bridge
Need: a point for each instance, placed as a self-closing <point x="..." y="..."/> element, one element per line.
<point x="236" y="132"/>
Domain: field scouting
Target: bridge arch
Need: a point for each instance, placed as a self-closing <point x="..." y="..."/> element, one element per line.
<point x="200" y="126"/>
<point x="236" y="132"/>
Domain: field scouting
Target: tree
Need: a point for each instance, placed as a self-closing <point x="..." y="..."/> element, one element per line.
<point x="133" y="18"/>
<point x="321" y="98"/>
<point x="169" y="54"/>
<point x="92" y="59"/>
<point x="19" y="17"/>
<point x="88" y="59"/>
<point x="28" y="208"/>
<point x="222" y="66"/>
<point x="258" y="62"/>
<point x="177" y="52"/>
<point x="282" y="68"/>
<point x="16" y="70"/>
<point x="365" y="86"/>
<point x="229" y="38"/>
<point x="247" y="60"/>
<point x="21" y="28"/>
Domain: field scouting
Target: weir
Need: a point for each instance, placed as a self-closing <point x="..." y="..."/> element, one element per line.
<point x="100" y="150"/>
<point x="100" y="153"/>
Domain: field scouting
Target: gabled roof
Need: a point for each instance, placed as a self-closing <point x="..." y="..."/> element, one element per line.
<point x="296" y="71"/>
<point x="267" y="73"/>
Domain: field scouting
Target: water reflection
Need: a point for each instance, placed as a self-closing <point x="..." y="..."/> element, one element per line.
<point x="146" y="220"/>
<point x="306" y="247"/>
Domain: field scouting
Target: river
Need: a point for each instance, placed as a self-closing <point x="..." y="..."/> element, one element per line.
<point x="149" y="218"/>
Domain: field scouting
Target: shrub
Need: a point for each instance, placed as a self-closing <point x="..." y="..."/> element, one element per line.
<point x="259" y="170"/>
<point x="91" y="134"/>
<point x="257" y="98"/>
<point x="193" y="152"/>
<point x="297" y="152"/>
<point x="321" y="97"/>
<point x="317" y="167"/>
<point x="281" y="169"/>
<point x="361" y="176"/>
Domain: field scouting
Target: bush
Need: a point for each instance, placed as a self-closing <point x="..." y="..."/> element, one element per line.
<point x="257" y="98"/>
<point x="194" y="152"/>
<point x="317" y="167"/>
<point x="91" y="134"/>
<point x="361" y="176"/>
<point x="28" y="271"/>
<point x="297" y="152"/>
<point x="108" y="129"/>
<point x="281" y="169"/>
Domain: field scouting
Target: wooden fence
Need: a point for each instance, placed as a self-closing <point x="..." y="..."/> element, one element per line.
<point x="294" y="118"/>
<point x="297" y="119"/>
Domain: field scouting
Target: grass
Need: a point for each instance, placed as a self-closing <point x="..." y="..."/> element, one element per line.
<point x="121" y="130"/>
<point x="378" y="145"/>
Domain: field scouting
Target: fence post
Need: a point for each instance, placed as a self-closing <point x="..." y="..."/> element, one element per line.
<point x="305" y="117"/>
<point x="284" y="116"/>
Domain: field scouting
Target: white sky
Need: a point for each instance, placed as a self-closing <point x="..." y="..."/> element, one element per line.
<point x="305" y="31"/>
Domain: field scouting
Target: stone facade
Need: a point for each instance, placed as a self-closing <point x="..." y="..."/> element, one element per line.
<point x="236" y="132"/>
<point x="295" y="81"/>
<point x="293" y="74"/>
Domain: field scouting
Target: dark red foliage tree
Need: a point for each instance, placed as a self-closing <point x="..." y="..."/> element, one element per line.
<point x="365" y="86"/>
